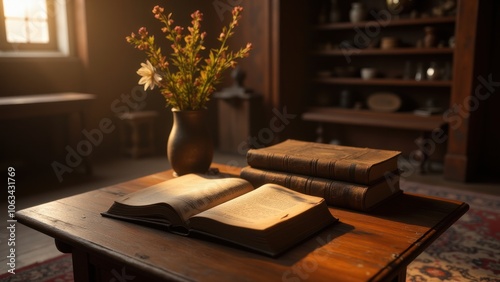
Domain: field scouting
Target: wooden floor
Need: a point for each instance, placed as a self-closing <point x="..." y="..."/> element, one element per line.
<point x="32" y="246"/>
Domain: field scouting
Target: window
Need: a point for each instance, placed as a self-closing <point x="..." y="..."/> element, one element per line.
<point x="29" y="26"/>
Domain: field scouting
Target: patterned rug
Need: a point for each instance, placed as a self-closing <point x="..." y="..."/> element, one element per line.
<point x="470" y="249"/>
<point x="58" y="269"/>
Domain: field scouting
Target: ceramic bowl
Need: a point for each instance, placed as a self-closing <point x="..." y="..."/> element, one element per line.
<point x="368" y="73"/>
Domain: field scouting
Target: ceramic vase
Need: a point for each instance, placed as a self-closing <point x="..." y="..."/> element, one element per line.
<point x="400" y="6"/>
<point x="357" y="12"/>
<point x="190" y="146"/>
<point x="335" y="15"/>
<point x="430" y="39"/>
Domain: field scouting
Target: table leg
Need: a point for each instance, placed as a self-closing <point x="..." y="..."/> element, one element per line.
<point x="63" y="247"/>
<point x="82" y="269"/>
<point x="401" y="277"/>
<point x="422" y="153"/>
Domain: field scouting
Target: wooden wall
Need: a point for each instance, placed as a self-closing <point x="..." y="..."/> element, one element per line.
<point x="102" y="63"/>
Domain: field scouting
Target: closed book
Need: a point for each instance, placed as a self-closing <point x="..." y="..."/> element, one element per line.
<point x="344" y="163"/>
<point x="336" y="193"/>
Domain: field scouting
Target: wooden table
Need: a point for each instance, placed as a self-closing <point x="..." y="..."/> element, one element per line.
<point x="374" y="246"/>
<point x="73" y="106"/>
<point x="44" y="105"/>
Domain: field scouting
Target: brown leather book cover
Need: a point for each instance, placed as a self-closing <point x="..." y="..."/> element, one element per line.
<point x="336" y="193"/>
<point x="350" y="164"/>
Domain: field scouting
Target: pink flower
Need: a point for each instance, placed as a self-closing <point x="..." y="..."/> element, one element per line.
<point x="143" y="32"/>
<point x="158" y="10"/>
<point x="130" y="38"/>
<point x="143" y="46"/>
<point x="237" y="10"/>
<point x="197" y="15"/>
<point x="163" y="62"/>
<point x="182" y="87"/>
<point x="178" y="29"/>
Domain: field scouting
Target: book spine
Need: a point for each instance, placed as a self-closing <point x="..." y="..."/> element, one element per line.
<point x="335" y="193"/>
<point x="336" y="170"/>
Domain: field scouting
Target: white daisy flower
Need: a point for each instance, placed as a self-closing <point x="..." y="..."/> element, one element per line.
<point x="149" y="76"/>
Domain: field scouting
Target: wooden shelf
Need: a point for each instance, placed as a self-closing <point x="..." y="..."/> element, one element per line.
<point x="382" y="82"/>
<point x="312" y="75"/>
<point x="400" y="120"/>
<point x="386" y="52"/>
<point x="388" y="23"/>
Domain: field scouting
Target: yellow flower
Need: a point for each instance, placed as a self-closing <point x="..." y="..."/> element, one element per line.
<point x="149" y="77"/>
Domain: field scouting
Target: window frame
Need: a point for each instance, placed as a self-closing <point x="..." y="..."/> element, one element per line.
<point x="58" y="39"/>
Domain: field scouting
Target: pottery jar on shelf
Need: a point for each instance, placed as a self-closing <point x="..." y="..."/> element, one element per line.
<point x="430" y="38"/>
<point x="335" y="15"/>
<point x="357" y="13"/>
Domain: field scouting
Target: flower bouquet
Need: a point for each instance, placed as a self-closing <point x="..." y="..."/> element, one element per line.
<point x="188" y="76"/>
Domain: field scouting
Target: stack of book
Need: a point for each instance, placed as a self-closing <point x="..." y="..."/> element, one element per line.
<point x="347" y="177"/>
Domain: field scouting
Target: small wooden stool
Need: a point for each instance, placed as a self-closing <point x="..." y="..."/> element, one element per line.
<point x="138" y="133"/>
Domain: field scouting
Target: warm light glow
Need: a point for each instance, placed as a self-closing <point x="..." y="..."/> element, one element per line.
<point x="26" y="21"/>
<point x="430" y="72"/>
<point x="25" y="9"/>
<point x="10" y="9"/>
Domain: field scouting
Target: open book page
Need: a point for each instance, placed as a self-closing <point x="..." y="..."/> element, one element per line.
<point x="189" y="194"/>
<point x="261" y="208"/>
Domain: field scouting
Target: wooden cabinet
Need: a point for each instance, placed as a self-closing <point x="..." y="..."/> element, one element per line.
<point x="423" y="58"/>
<point x="395" y="48"/>
<point x="307" y="65"/>
<point x="473" y="110"/>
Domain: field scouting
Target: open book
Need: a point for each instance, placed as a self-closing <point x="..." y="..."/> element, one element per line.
<point x="269" y="219"/>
